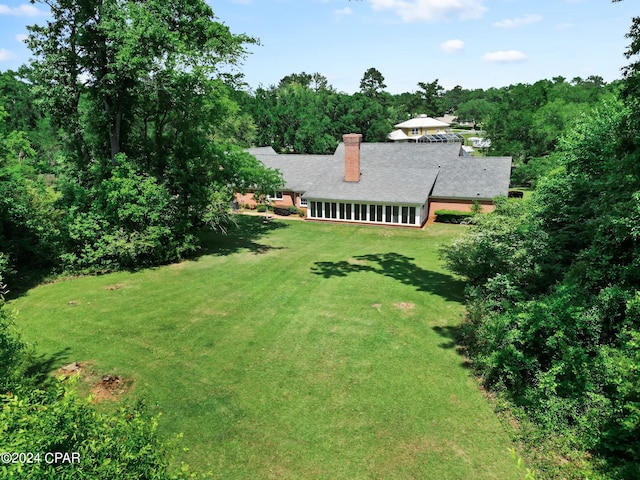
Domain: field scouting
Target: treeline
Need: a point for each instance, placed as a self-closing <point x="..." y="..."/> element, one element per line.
<point x="553" y="302"/>
<point x="119" y="158"/>
<point x="305" y="114"/>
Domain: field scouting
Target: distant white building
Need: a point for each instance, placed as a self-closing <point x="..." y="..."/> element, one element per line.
<point x="479" y="142"/>
<point x="423" y="129"/>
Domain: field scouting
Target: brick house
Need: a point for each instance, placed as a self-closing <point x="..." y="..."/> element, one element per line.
<point x="385" y="183"/>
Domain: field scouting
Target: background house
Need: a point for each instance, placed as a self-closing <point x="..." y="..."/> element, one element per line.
<point x="385" y="183"/>
<point x="417" y="128"/>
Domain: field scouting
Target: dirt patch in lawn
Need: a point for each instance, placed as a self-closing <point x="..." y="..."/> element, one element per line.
<point x="109" y="387"/>
<point x="116" y="286"/>
<point x="404" y="305"/>
<point x="101" y="387"/>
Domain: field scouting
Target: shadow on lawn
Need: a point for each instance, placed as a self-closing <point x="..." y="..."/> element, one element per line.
<point x="40" y="366"/>
<point x="244" y="235"/>
<point x="453" y="340"/>
<point x="398" y="267"/>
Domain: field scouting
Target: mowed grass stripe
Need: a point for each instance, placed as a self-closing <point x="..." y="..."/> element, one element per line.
<point x="303" y="351"/>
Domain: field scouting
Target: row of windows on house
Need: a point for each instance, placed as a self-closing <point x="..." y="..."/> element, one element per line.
<point x="418" y="131"/>
<point x="362" y="212"/>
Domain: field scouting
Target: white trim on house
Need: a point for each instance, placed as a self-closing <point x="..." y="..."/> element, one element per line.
<point x="365" y="212"/>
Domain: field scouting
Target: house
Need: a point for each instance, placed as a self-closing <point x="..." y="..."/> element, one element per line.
<point x="385" y="183"/>
<point x="423" y="129"/>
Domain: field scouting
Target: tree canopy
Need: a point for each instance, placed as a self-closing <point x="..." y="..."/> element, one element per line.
<point x="553" y="318"/>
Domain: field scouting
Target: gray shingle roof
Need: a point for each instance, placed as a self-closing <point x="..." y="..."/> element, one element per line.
<point x="394" y="173"/>
<point x="481" y="178"/>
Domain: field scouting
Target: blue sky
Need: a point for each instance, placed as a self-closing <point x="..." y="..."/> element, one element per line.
<point x="472" y="43"/>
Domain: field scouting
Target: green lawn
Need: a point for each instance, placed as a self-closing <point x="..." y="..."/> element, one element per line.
<point x="293" y="350"/>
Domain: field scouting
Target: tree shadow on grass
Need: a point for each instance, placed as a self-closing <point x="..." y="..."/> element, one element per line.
<point x="399" y="267"/>
<point x="454" y="341"/>
<point x="41" y="366"/>
<point x="242" y="235"/>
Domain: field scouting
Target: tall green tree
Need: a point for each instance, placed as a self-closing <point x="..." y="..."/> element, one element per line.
<point x="428" y="99"/>
<point x="97" y="62"/>
<point x="141" y="91"/>
<point x="372" y="83"/>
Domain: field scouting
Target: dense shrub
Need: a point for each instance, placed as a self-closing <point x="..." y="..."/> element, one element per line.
<point x="29" y="219"/>
<point x="553" y="303"/>
<point x="123" y="445"/>
<point x="452" y="216"/>
<point x="129" y="220"/>
<point x="282" y="211"/>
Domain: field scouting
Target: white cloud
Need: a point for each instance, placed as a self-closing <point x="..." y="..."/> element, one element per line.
<point x="23" y="10"/>
<point x="21" y="37"/>
<point x="430" y="10"/>
<point x="516" y="22"/>
<point x="6" y="55"/>
<point x="505" y="56"/>
<point x="342" y="12"/>
<point x="452" y="46"/>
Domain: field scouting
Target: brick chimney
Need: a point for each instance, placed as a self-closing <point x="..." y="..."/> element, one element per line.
<point x="352" y="156"/>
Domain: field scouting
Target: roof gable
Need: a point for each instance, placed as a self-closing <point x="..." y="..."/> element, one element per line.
<point x="422" y="121"/>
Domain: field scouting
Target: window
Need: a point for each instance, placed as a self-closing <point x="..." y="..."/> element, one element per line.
<point x="334" y="210"/>
<point x="347" y="213"/>
<point x="313" y="208"/>
<point x="395" y="212"/>
<point x="405" y="214"/>
<point x="379" y="212"/>
<point x="277" y="196"/>
<point x="327" y="210"/>
<point x="387" y="213"/>
<point x="341" y="209"/>
<point x="363" y="211"/>
<point x="412" y="215"/>
<point x="303" y="201"/>
<point x="415" y="131"/>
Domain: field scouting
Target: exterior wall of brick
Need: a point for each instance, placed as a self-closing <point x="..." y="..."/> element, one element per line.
<point x="248" y="199"/>
<point x="458" y="205"/>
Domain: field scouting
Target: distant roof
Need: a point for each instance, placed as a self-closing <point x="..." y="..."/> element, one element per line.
<point x="422" y="121"/>
<point x="406" y="173"/>
<point x="262" y="150"/>
<point x="397" y="135"/>
<point x="447" y="118"/>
